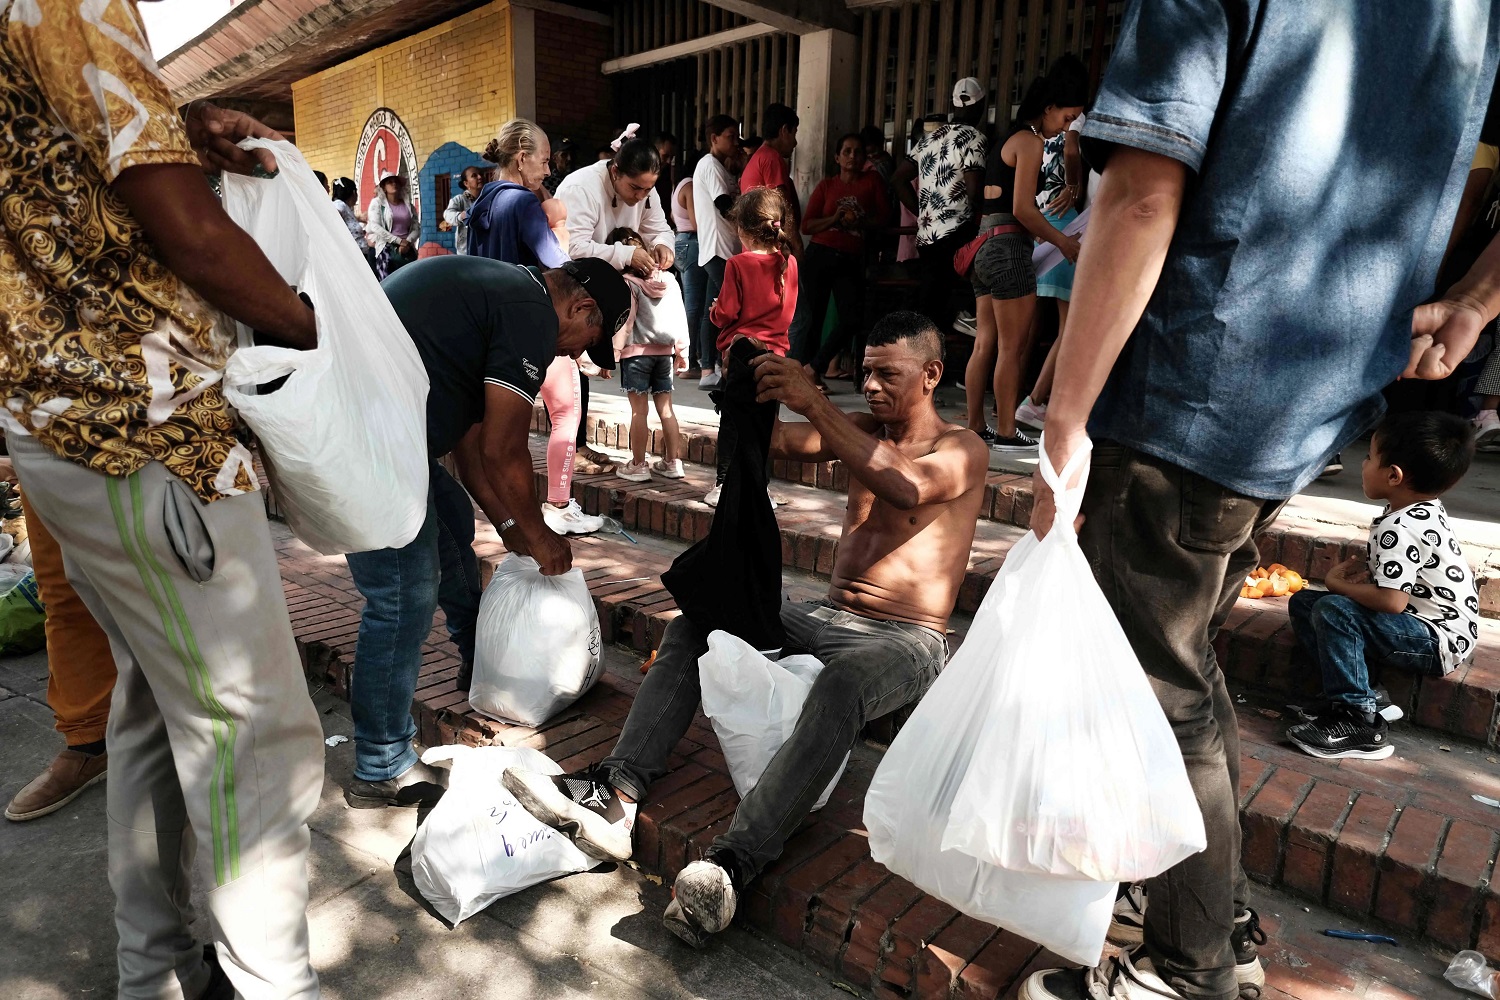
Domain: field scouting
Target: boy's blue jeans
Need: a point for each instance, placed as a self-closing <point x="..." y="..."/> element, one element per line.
<point x="402" y="588"/>
<point x="1347" y="638"/>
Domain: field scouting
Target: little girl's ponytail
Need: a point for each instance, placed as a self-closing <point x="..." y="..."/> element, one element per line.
<point x="760" y="213"/>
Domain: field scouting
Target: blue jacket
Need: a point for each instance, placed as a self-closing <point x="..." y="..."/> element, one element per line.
<point x="507" y="223"/>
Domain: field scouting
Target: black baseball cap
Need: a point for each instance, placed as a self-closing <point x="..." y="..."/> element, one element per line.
<point x="611" y="294"/>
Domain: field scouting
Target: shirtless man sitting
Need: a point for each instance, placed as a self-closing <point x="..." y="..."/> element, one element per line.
<point x="915" y="485"/>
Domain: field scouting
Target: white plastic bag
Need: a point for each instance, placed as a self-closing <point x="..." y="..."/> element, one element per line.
<point x="537" y="647"/>
<point x="753" y="703"/>
<point x="1076" y="771"/>
<point x="478" y="844"/>
<point x="344" y="440"/>
<point x="909" y="799"/>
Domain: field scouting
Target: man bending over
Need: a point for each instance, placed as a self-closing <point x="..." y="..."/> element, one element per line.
<point x="915" y="485"/>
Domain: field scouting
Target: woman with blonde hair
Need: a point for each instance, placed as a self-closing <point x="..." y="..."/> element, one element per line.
<point x="508" y="223"/>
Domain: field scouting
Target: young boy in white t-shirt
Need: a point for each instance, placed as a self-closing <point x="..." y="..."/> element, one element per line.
<point x="1412" y="605"/>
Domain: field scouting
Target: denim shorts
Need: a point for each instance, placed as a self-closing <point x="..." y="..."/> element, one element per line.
<point x="647" y="373"/>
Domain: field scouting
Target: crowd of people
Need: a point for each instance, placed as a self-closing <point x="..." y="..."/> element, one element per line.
<point x="1186" y="290"/>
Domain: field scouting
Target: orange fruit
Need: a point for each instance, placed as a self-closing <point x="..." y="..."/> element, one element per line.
<point x="1262" y="573"/>
<point x="1279" y="586"/>
<point x="1277" y="568"/>
<point x="1249" y="592"/>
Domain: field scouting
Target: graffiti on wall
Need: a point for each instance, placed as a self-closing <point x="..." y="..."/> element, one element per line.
<point x="385" y="147"/>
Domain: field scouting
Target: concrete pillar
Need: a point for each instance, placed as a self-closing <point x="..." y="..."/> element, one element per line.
<point x="523" y="60"/>
<point x="826" y="104"/>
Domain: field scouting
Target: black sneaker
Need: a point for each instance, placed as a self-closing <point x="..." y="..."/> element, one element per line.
<point x="1388" y="710"/>
<point x="583" y="806"/>
<point x="986" y="435"/>
<point x="1342" y="733"/>
<point x="1246" y="939"/>
<point x="703" y="901"/>
<point x="1334" y="467"/>
<point x="1019" y="441"/>
<point x="418" y="785"/>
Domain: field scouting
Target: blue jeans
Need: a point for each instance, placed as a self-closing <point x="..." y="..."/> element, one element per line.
<point x="1347" y="638"/>
<point x="694" y="281"/>
<point x="402" y="588"/>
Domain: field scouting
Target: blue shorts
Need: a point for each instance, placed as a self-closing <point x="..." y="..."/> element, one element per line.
<point x="647" y="373"/>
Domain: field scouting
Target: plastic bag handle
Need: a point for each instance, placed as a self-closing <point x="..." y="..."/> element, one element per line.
<point x="1068" y="501"/>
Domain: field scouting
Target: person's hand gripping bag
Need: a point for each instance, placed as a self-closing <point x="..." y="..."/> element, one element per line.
<point x="537" y="645"/>
<point x="344" y="438"/>
<point x="1076" y="771"/>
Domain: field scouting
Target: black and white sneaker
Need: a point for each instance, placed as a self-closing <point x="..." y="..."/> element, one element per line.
<point x="986" y="434"/>
<point x="1017" y="442"/>
<point x="584" y="807"/>
<point x="1387" y="709"/>
<point x="703" y="901"/>
<point x="1344" y="733"/>
<point x="1127" y="929"/>
<point x="1122" y="977"/>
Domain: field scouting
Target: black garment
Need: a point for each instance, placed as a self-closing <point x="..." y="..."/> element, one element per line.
<point x="998" y="173"/>
<point x="475" y="321"/>
<point x="731" y="580"/>
<point x="826" y="273"/>
<point x="937" y="280"/>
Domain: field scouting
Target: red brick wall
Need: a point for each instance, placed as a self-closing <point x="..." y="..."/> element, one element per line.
<point x="572" y="97"/>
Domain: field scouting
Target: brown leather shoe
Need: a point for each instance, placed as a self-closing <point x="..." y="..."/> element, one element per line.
<point x="65" y="778"/>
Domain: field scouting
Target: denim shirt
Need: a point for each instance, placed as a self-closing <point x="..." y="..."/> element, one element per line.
<point x="1330" y="141"/>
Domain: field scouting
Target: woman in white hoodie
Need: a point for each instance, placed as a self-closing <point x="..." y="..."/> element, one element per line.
<point x="392" y="226"/>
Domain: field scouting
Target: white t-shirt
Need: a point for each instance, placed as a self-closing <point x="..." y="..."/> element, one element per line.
<point x="1413" y="550"/>
<point x="716" y="237"/>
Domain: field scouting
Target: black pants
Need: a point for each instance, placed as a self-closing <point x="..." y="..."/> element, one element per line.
<point x="937" y="279"/>
<point x="583" y="410"/>
<point x="1170" y="550"/>
<point x="828" y="273"/>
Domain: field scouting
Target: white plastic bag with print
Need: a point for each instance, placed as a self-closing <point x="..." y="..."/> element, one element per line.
<point x="537" y="646"/>
<point x="1076" y="771"/>
<point x="478" y="844"/>
<point x="344" y="439"/>
<point x="753" y="703"/>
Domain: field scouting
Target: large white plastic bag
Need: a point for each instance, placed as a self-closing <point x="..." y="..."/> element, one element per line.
<point x="344" y="440"/>
<point x="478" y="844"/>
<point x="1076" y="770"/>
<point x="537" y="647"/>
<point x="907" y="806"/>
<point x="753" y="703"/>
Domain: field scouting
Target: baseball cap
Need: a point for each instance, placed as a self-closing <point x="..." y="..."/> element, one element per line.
<point x="967" y="92"/>
<point x="610" y="293"/>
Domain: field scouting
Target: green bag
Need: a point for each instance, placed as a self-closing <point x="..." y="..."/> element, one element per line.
<point x="22" y="618"/>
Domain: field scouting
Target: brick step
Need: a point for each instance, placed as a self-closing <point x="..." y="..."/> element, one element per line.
<point x="1255" y="646"/>
<point x="1398" y="842"/>
<point x="1309" y="540"/>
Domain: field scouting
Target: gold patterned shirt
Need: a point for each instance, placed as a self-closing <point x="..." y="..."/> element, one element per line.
<point x="105" y="357"/>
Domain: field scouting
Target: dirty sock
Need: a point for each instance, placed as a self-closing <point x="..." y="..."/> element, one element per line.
<point x="93" y="749"/>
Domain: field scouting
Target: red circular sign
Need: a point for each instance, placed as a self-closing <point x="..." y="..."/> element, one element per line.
<point x="385" y="147"/>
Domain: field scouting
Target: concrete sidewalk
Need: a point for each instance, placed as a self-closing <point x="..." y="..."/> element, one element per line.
<point x="373" y="935"/>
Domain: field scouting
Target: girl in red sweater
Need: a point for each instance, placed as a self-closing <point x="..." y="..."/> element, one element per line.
<point x="759" y="296"/>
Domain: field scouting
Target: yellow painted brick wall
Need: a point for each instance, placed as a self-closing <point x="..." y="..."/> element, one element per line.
<point x="451" y="83"/>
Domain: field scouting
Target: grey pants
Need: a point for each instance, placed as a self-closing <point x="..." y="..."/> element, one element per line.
<point x="211" y="733"/>
<point x="1170" y="549"/>
<point x="870" y="668"/>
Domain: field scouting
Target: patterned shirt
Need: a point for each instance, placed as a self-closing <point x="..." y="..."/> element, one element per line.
<point x="1413" y="550"/>
<point x="105" y="357"/>
<point x="943" y="157"/>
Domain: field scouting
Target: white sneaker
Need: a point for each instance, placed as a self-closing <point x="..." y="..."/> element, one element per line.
<point x="1487" y="430"/>
<point x="712" y="497"/>
<point x="710" y="381"/>
<point x="635" y="473"/>
<point x="966" y="324"/>
<point x="1032" y="415"/>
<point x="1123" y="977"/>
<point x="666" y="470"/>
<point x="570" y="520"/>
<point x="703" y="903"/>
<point x="1127" y="928"/>
<point x="1127" y="924"/>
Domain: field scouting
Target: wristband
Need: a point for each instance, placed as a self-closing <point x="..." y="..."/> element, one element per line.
<point x="506" y="525"/>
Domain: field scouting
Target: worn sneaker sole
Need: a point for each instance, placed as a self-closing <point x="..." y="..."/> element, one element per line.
<point x="52" y="807"/>
<point x="1251" y="973"/>
<point x="590" y="832"/>
<point x="1351" y="754"/>
<point x="703" y="903"/>
<point x="1125" y="935"/>
<point x="1017" y="449"/>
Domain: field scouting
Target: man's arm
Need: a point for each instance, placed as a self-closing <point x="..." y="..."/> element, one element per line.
<point x="199" y="243"/>
<point x="494" y="462"/>
<point x="956" y="464"/>
<point x="1131" y="228"/>
<point x="1444" y="332"/>
<point x="906" y="172"/>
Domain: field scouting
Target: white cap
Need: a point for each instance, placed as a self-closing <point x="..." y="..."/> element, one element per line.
<point x="967" y="92"/>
